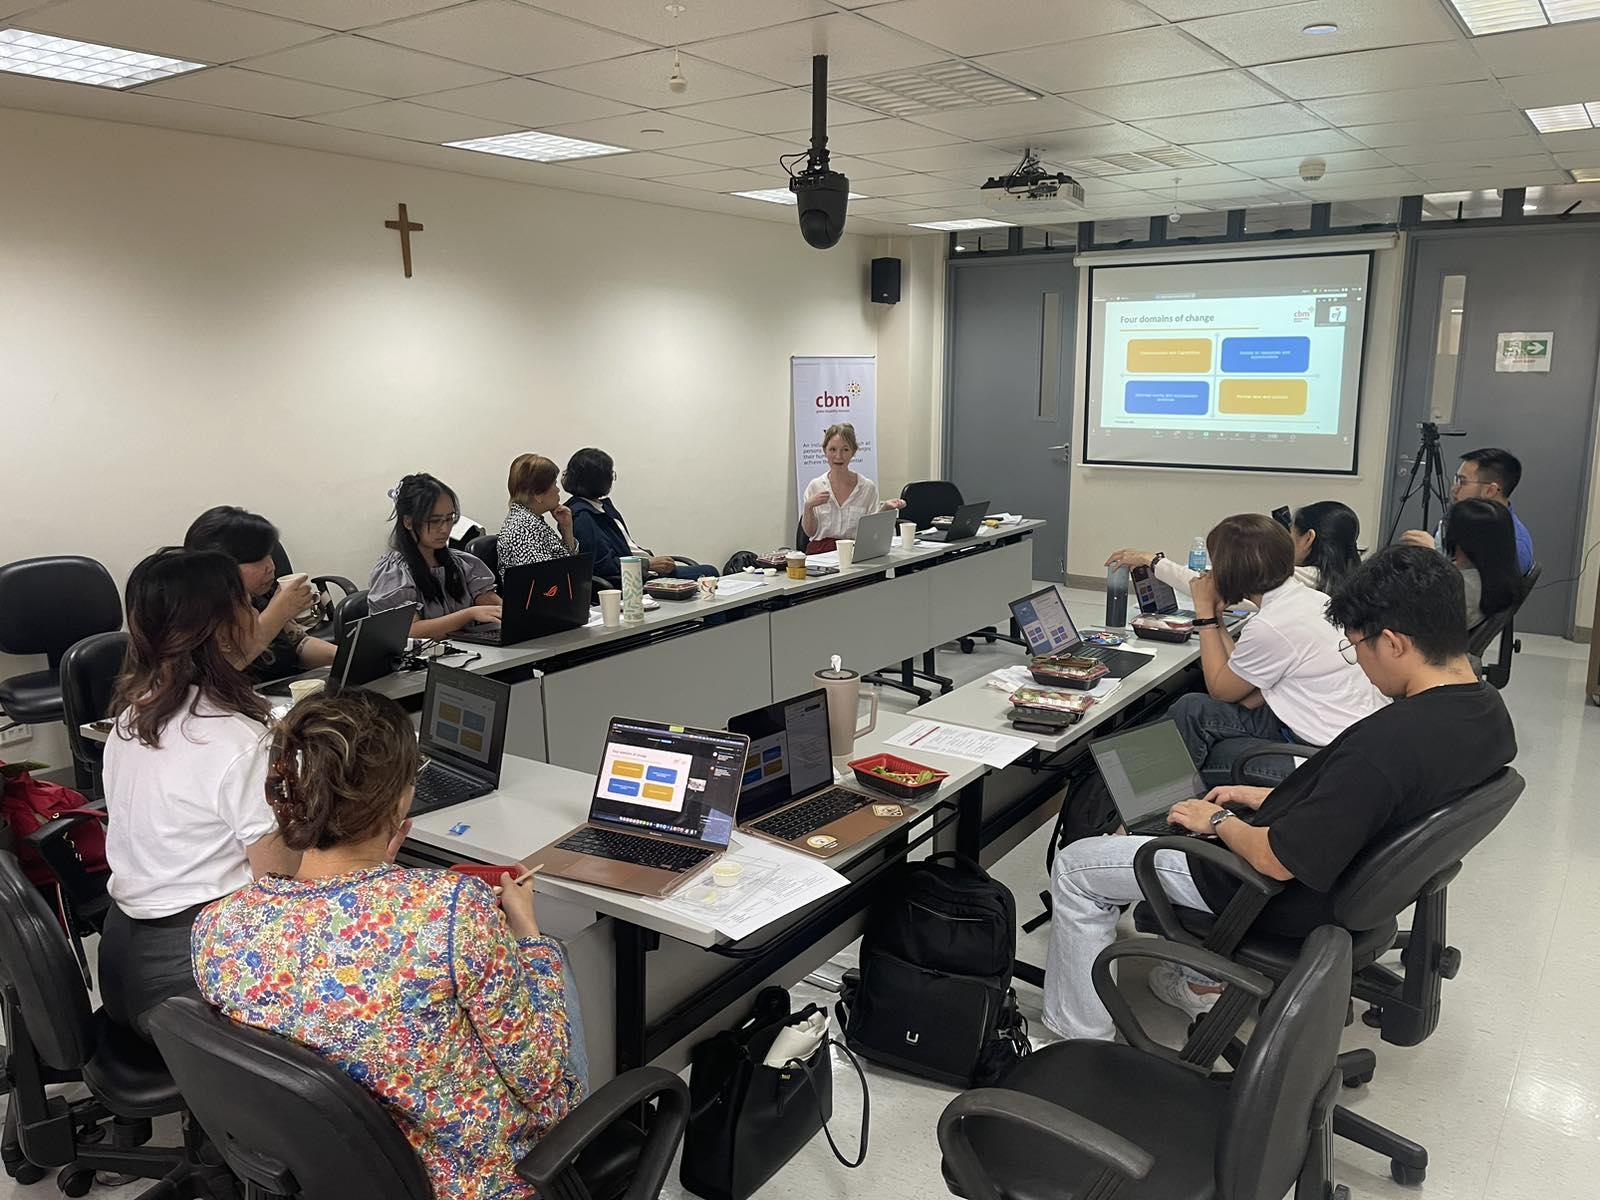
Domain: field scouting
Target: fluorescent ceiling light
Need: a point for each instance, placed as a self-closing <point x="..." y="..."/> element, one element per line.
<point x="1585" y="174"/>
<point x="781" y="195"/>
<point x="47" y="57"/>
<point x="537" y="147"/>
<point x="963" y="224"/>
<point x="1560" y="117"/>
<point x="1497" y="16"/>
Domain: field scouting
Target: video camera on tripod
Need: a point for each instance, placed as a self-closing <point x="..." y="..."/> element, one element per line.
<point x="1427" y="476"/>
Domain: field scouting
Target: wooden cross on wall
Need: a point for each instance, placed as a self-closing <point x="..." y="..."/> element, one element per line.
<point x="405" y="226"/>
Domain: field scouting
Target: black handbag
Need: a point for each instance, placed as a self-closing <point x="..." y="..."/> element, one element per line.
<point x="746" y="1119"/>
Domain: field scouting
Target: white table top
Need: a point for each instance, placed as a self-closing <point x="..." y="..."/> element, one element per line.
<point x="537" y="803"/>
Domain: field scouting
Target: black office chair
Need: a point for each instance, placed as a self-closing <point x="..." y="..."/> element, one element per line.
<point x="486" y="550"/>
<point x="89" y="671"/>
<point x="1414" y="866"/>
<point x="53" y="1037"/>
<point x="47" y="604"/>
<point x="1251" y="766"/>
<point x="1500" y="628"/>
<point x="323" y="627"/>
<point x="347" y="612"/>
<point x="292" y="1124"/>
<point x="1099" y="1119"/>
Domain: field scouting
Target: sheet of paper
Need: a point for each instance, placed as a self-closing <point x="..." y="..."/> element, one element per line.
<point x="776" y="882"/>
<point x="926" y="545"/>
<point x="958" y="741"/>
<point x="828" y="558"/>
<point x="730" y="585"/>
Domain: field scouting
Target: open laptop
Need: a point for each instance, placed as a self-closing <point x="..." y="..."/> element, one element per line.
<point x="1156" y="598"/>
<point x="663" y="808"/>
<point x="538" y="598"/>
<point x="962" y="526"/>
<point x="367" y="651"/>
<point x="1048" y="629"/>
<point x="1148" y="770"/>
<point x="789" y="794"/>
<point x="875" y="534"/>
<point x="462" y="738"/>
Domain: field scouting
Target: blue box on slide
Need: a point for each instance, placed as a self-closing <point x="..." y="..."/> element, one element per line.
<point x="1270" y="355"/>
<point x="1167" y="397"/>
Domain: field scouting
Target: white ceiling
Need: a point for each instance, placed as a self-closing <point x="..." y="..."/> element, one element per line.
<point x="1399" y="100"/>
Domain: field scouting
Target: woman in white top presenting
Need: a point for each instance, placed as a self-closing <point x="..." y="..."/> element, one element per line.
<point x="185" y="775"/>
<point x="834" y="503"/>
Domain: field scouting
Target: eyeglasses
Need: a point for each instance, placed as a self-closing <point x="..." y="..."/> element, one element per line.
<point x="447" y="521"/>
<point x="1347" y="649"/>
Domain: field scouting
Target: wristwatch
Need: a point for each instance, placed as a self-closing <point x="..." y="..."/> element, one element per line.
<point x="1203" y="622"/>
<point x="1219" y="817"/>
<point x="1159" y="556"/>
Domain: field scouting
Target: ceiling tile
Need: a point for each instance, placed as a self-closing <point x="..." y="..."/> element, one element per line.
<point x="1259" y="121"/>
<point x="1275" y="34"/>
<point x="506" y="36"/>
<point x="1248" y="189"/>
<point x="868" y="137"/>
<point x="1442" y="129"/>
<point x="738" y="180"/>
<point x="1374" y="70"/>
<point x="1186" y="10"/>
<point x="949" y="197"/>
<point x="855" y="47"/>
<point x="1445" y="100"/>
<point x="1551" y="87"/>
<point x="746" y="151"/>
<point x="368" y="66"/>
<point x="1452" y="164"/>
<point x="950" y="24"/>
<point x="1493" y="179"/>
<point x="905" y="185"/>
<point x="402" y="119"/>
<point x="1193" y="176"/>
<point x="1576" y="139"/>
<point x="1009" y="120"/>
<point x="341" y="14"/>
<point x="1580" y="158"/>
<point x="189" y="29"/>
<point x="632" y="131"/>
<point x="1486" y="151"/>
<point x="644" y="165"/>
<point x="1344" y="160"/>
<point x="962" y="157"/>
<point x="1570" y="46"/>
<point x="1344" y="181"/>
<point x="773" y="112"/>
<point x="1284" y="145"/>
<point x="874" y="206"/>
<point x="1066" y="144"/>
<point x="232" y="87"/>
<point x="1183" y="96"/>
<point x="641" y="80"/>
<point x="861" y="170"/>
<point x="525" y="103"/>
<point x="700" y="19"/>
<point x="1116" y="58"/>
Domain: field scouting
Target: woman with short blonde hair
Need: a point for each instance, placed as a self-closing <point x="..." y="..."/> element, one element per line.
<point x="834" y="503"/>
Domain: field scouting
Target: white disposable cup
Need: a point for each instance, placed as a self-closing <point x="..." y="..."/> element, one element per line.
<point x="293" y="581"/>
<point x="908" y="535"/>
<point x="611" y="608"/>
<point x="302" y="689"/>
<point x="847" y="553"/>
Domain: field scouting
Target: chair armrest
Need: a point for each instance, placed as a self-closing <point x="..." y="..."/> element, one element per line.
<point x="1269" y="750"/>
<point x="1112" y="1151"/>
<point x="58" y="826"/>
<point x="617" y="1100"/>
<point x="320" y="582"/>
<point x="1254" y="892"/>
<point x="1205" y="962"/>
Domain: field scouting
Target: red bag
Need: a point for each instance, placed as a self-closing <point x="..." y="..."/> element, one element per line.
<point x="28" y="804"/>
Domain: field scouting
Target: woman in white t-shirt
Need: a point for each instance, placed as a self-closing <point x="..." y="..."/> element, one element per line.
<point x="185" y="775"/>
<point x="1286" y="678"/>
<point x="833" y="504"/>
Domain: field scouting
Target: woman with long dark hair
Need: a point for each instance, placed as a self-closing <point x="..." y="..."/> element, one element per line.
<point x="450" y="589"/>
<point x="282" y="646"/>
<point x="1481" y="540"/>
<point x="1325" y="534"/>
<point x="185" y="774"/>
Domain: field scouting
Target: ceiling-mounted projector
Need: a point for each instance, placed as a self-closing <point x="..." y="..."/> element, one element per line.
<point x="1031" y="191"/>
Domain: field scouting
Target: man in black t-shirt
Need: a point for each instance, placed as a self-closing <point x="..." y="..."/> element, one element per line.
<point x="1403" y="616"/>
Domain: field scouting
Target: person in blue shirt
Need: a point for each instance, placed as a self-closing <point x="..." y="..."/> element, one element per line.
<point x="1489" y="474"/>
<point x="599" y="528"/>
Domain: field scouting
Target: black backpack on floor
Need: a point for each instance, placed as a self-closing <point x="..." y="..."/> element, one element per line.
<point x="933" y="995"/>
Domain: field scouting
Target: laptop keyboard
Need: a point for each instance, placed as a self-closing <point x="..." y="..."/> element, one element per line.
<point x="440" y="789"/>
<point x="641" y="852"/>
<point x="822" y="809"/>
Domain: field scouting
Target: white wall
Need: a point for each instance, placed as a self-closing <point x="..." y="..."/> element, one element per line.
<point x="188" y="320"/>
<point x="1164" y="509"/>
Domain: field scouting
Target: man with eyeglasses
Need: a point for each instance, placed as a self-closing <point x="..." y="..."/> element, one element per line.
<point x="1403" y="614"/>
<point x="1489" y="474"/>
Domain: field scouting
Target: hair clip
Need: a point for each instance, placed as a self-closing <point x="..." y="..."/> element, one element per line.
<point x="394" y="493"/>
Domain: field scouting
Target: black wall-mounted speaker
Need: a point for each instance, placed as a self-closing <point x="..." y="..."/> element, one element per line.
<point x="886" y="281"/>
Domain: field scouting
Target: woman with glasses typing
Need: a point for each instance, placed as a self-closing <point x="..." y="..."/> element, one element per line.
<point x="450" y="589"/>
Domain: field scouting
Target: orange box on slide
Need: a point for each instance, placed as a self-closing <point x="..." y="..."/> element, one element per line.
<point x="1262" y="397"/>
<point x="1166" y="355"/>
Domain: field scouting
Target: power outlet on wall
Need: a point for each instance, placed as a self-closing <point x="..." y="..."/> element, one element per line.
<point x="13" y="737"/>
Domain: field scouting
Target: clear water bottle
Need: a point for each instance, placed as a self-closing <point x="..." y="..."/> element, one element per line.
<point x="1199" y="560"/>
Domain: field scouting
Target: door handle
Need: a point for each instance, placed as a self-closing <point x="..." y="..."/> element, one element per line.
<point x="1063" y="446"/>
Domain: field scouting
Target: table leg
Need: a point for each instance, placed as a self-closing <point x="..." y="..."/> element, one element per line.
<point x="631" y="949"/>
<point x="969" y="820"/>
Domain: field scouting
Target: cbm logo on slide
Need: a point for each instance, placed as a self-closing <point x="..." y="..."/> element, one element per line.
<point x="828" y="400"/>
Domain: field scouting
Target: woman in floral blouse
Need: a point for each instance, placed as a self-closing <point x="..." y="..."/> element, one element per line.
<point x="447" y="1006"/>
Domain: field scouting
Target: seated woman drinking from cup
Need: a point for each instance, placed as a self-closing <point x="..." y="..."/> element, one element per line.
<point x="834" y="503"/>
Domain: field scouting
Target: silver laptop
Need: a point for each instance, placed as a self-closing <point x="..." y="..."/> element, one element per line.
<point x="875" y="534"/>
<point x="1148" y="770"/>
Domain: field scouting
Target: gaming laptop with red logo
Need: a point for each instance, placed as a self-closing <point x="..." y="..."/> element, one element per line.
<point x="539" y="598"/>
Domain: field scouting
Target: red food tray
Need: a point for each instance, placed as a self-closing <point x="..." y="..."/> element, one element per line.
<point x="863" y="767"/>
<point x="489" y="874"/>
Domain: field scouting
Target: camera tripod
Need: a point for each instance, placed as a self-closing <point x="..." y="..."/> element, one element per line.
<point x="1426" y="478"/>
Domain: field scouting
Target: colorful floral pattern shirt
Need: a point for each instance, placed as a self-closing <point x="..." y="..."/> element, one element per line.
<point x="411" y="982"/>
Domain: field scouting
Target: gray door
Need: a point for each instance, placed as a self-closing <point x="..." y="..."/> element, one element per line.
<point x="1515" y="281"/>
<point x="1010" y="392"/>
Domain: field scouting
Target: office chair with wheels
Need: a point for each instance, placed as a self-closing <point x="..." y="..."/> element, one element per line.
<point x="1100" y="1119"/>
<point x="486" y="550"/>
<point x="1500" y="628"/>
<point x="53" y="1037"/>
<point x="347" y="612"/>
<point x="1247" y="765"/>
<point x="326" y="604"/>
<point x="47" y="604"/>
<point x="1412" y="866"/>
<point x="89" y="671"/>
<point x="292" y="1124"/>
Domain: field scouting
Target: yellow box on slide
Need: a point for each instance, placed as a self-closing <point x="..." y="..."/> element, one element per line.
<point x="1263" y="397"/>
<point x="1162" y="356"/>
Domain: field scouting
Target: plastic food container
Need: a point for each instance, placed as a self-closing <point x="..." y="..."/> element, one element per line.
<point x="489" y="874"/>
<point x="1157" y="628"/>
<point x="672" y="589"/>
<point x="866" y="774"/>
<point x="1041" y="706"/>
<point x="1066" y="670"/>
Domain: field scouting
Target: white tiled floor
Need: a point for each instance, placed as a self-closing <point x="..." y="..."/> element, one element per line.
<point x="1505" y="1095"/>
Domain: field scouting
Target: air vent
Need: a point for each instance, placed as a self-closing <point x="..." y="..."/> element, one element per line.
<point x="941" y="87"/>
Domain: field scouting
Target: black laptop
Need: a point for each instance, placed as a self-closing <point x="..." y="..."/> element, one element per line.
<point x="462" y="738"/>
<point x="538" y="598"/>
<point x="1148" y="770"/>
<point x="1048" y="629"/>
<point x="367" y="650"/>
<point x="1156" y="597"/>
<point x="962" y="526"/>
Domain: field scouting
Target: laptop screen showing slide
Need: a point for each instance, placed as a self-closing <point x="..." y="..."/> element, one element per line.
<point x="791" y="753"/>
<point x="464" y="722"/>
<point x="1147" y="770"/>
<point x="669" y="779"/>
<point x="1044" y="622"/>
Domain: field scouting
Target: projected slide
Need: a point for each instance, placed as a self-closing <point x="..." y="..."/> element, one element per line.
<point x="1251" y="364"/>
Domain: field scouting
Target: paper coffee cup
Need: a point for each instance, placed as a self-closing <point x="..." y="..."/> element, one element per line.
<point x="708" y="587"/>
<point x="611" y="608"/>
<point x="295" y="580"/>
<point x="847" y="553"/>
<point x="908" y="535"/>
<point x="796" y="561"/>
<point x="302" y="689"/>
